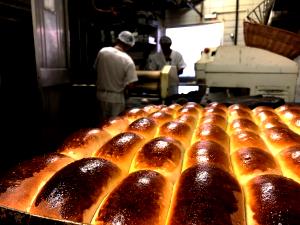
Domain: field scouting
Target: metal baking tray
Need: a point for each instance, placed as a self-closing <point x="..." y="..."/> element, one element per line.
<point x="10" y="216"/>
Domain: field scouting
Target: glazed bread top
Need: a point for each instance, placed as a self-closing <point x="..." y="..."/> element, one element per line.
<point x="207" y="153"/>
<point x="142" y="198"/>
<point x="274" y="199"/>
<point x="84" y="143"/>
<point x="206" y="195"/>
<point x="20" y="185"/>
<point x="75" y="189"/>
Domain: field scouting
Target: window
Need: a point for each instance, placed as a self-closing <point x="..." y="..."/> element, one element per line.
<point x="191" y="40"/>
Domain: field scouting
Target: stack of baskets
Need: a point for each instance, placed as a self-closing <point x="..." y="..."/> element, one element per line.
<point x="258" y="34"/>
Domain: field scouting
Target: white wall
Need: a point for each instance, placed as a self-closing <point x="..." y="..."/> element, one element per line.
<point x="226" y="14"/>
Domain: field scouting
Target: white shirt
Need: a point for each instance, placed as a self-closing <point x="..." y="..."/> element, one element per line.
<point x="115" y="70"/>
<point x="157" y="61"/>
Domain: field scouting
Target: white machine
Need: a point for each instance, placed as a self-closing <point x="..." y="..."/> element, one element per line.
<point x="263" y="72"/>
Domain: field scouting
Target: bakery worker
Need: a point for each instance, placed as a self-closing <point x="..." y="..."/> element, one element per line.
<point x="166" y="56"/>
<point x="115" y="72"/>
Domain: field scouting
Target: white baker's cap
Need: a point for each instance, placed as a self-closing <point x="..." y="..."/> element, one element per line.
<point x="127" y="38"/>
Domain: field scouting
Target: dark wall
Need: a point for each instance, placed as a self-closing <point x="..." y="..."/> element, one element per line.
<point x="20" y="97"/>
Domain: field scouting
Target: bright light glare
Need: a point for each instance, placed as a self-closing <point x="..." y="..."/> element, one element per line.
<point x="191" y="40"/>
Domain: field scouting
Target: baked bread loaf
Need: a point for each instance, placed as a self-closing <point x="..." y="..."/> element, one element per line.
<point x="260" y="109"/>
<point x="20" y="185"/>
<point x="286" y="106"/>
<point x="211" y="132"/>
<point x="75" y="192"/>
<point x="242" y="125"/>
<point x="239" y="106"/>
<point x="279" y="138"/>
<point x="294" y="124"/>
<point x="152" y="108"/>
<point x="265" y="116"/>
<point x="214" y="111"/>
<point x="289" y="159"/>
<point x="188" y="119"/>
<point x="161" y="154"/>
<point x="171" y="109"/>
<point x="239" y="114"/>
<point x="190" y="109"/>
<point x="121" y="149"/>
<point x="187" y="165"/>
<point x="242" y="138"/>
<point x="207" y="153"/>
<point x="161" y="117"/>
<point x="84" y="143"/>
<point x="134" y="114"/>
<point x="217" y="105"/>
<point x="142" y="198"/>
<point x="175" y="106"/>
<point x="289" y="114"/>
<point x="115" y="126"/>
<point x="177" y="130"/>
<point x="250" y="162"/>
<point x="207" y="195"/>
<point x="215" y="119"/>
<point x="145" y="127"/>
<point x="272" y="199"/>
<point x="272" y="122"/>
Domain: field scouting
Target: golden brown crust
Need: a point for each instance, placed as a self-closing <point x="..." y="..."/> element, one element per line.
<point x="73" y="192"/>
<point x="168" y="110"/>
<point x="290" y="113"/>
<point x="142" y="198"/>
<point x="152" y="108"/>
<point x="239" y="114"/>
<point x="188" y="119"/>
<point x="243" y="124"/>
<point x="260" y="109"/>
<point x="267" y="115"/>
<point x="211" y="132"/>
<point x="294" y="124"/>
<point x="207" y="153"/>
<point x="175" y="106"/>
<point x="121" y="149"/>
<point x="144" y="126"/>
<point x="84" y="143"/>
<point x="115" y="126"/>
<point x="134" y="114"/>
<point x="242" y="139"/>
<point x="239" y="106"/>
<point x="190" y="110"/>
<point x="286" y="107"/>
<point x="217" y="105"/>
<point x="20" y="185"/>
<point x="194" y="105"/>
<point x="206" y="195"/>
<point x="162" y="154"/>
<point x="217" y="111"/>
<point x="280" y="138"/>
<point x="214" y="119"/>
<point x="177" y="130"/>
<point x="250" y="162"/>
<point x="273" y="199"/>
<point x="161" y="117"/>
<point x="272" y="122"/>
<point x="289" y="159"/>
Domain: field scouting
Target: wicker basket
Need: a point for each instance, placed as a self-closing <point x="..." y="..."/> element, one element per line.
<point x="277" y="40"/>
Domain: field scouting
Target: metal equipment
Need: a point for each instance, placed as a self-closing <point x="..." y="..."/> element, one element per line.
<point x="263" y="72"/>
<point x="158" y="84"/>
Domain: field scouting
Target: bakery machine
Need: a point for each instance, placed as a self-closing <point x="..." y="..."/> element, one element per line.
<point x="155" y="85"/>
<point x="262" y="72"/>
